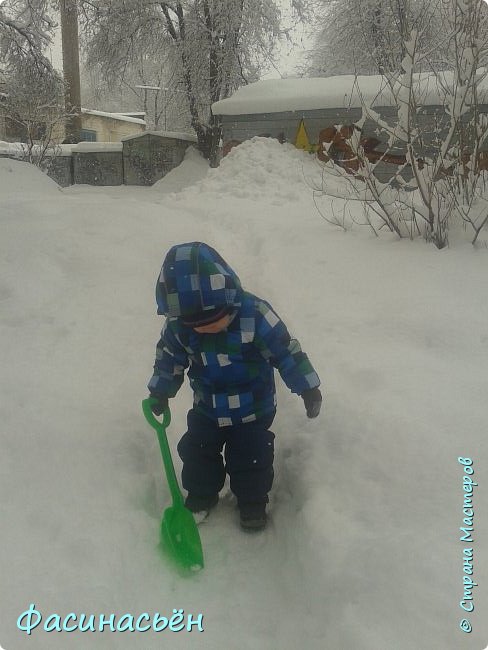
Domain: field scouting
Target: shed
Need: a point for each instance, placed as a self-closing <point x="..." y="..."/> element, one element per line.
<point x="150" y="156"/>
<point x="310" y="111"/>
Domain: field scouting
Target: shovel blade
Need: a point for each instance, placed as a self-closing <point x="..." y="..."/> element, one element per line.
<point x="180" y="536"/>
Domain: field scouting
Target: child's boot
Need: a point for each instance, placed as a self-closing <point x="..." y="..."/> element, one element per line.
<point x="253" y="516"/>
<point x="201" y="505"/>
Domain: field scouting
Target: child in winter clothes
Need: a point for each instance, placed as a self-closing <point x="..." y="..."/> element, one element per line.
<point x="231" y="340"/>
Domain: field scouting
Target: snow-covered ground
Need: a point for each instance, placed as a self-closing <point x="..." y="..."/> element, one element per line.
<point x="363" y="549"/>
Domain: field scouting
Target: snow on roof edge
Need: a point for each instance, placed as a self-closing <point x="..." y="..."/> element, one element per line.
<point x="311" y="93"/>
<point x="113" y="116"/>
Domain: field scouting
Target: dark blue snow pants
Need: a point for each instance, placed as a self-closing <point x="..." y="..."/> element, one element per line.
<point x="249" y="454"/>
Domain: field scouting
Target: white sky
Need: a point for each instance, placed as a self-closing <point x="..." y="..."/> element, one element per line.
<point x="55" y="52"/>
<point x="290" y="54"/>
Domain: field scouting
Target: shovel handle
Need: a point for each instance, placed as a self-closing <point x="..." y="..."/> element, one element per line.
<point x="160" y="428"/>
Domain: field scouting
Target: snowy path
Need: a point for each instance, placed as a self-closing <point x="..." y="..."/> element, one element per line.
<point x="362" y="551"/>
<point x="92" y="468"/>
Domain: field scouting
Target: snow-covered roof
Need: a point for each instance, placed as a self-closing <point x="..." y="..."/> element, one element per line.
<point x="114" y="116"/>
<point x="177" y="135"/>
<point x="344" y="91"/>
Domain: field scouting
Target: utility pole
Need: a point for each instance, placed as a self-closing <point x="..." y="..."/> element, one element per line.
<point x="166" y="91"/>
<point x="71" y="68"/>
<point x="145" y="88"/>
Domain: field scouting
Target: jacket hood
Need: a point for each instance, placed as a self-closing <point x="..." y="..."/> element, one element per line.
<point x="195" y="278"/>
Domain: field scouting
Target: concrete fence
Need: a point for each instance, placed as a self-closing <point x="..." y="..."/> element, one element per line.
<point x="141" y="159"/>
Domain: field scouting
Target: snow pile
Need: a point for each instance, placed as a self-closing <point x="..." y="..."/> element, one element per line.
<point x="19" y="180"/>
<point x="261" y="168"/>
<point x="193" y="169"/>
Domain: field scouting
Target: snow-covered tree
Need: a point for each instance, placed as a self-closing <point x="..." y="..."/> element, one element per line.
<point x="213" y="46"/>
<point x="448" y="180"/>
<point x="146" y="84"/>
<point x="25" y="30"/>
<point x="33" y="91"/>
<point x="367" y="36"/>
<point x="34" y="108"/>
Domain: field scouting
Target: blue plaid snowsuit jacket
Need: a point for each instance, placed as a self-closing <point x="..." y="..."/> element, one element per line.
<point x="231" y="373"/>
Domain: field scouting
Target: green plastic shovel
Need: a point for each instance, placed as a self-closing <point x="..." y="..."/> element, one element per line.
<point x="179" y="532"/>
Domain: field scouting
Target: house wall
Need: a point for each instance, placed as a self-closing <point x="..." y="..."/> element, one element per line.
<point x="108" y="129"/>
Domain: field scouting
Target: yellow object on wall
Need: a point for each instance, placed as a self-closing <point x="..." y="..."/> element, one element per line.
<point x="301" y="139"/>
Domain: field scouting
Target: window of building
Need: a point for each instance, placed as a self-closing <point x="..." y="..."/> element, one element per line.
<point x="88" y="135"/>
